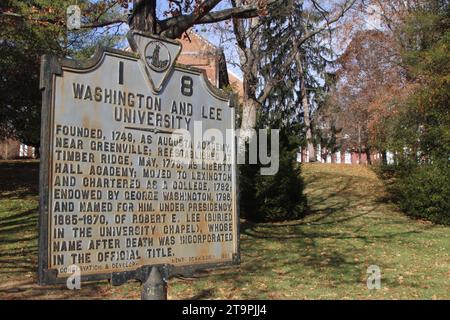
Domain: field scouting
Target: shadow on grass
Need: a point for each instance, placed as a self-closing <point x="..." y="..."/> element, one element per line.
<point x="18" y="243"/>
<point x="22" y="221"/>
<point x="204" y="294"/>
<point x="332" y="240"/>
<point x="273" y="251"/>
<point x="29" y="290"/>
<point x="19" y="179"/>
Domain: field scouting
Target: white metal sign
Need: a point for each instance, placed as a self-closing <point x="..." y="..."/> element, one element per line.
<point x="137" y="164"/>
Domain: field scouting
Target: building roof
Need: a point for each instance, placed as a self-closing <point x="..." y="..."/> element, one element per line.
<point x="236" y="83"/>
<point x="201" y="53"/>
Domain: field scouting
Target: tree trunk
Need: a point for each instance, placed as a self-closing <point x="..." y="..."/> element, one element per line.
<point x="144" y="16"/>
<point x="384" y="157"/>
<point x="305" y="103"/>
<point x="250" y="103"/>
<point x="369" y="160"/>
<point x="359" y="145"/>
<point x="248" y="116"/>
<point x="248" y="121"/>
<point x="249" y="106"/>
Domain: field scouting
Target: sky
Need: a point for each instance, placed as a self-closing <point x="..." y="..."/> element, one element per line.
<point x="227" y="41"/>
<point x="229" y="47"/>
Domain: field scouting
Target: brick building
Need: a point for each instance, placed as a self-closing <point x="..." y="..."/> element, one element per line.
<point x="14" y="149"/>
<point x="200" y="53"/>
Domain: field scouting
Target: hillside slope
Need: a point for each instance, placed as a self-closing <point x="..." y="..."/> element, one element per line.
<point x="351" y="226"/>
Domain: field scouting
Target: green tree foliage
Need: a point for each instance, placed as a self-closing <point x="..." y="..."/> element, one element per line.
<point x="420" y="133"/>
<point x="276" y="197"/>
<point x="28" y="30"/>
<point x="280" y="196"/>
<point x="424" y="191"/>
<point x="295" y="92"/>
<point x="423" y="123"/>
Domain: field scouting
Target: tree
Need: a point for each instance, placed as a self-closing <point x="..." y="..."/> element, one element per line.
<point x="328" y="121"/>
<point x="278" y="197"/>
<point x="422" y="123"/>
<point x="248" y="39"/>
<point x="29" y="30"/>
<point x="312" y="61"/>
<point x="369" y="72"/>
<point x="395" y="82"/>
<point x="420" y="130"/>
<point x="180" y="16"/>
<point x="283" y="74"/>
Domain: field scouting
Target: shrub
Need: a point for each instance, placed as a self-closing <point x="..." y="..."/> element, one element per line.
<point x="276" y="197"/>
<point x="424" y="192"/>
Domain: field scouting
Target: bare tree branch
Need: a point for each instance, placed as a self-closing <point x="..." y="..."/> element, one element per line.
<point x="239" y="29"/>
<point x="269" y="85"/>
<point x="338" y="16"/>
<point x="237" y="13"/>
<point x="104" y="23"/>
<point x="175" y="26"/>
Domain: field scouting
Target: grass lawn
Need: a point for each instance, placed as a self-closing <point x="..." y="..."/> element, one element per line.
<point x="351" y="226"/>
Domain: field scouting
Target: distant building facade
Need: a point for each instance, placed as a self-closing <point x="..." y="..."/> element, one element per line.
<point x="200" y="53"/>
<point x="13" y="149"/>
<point x="343" y="156"/>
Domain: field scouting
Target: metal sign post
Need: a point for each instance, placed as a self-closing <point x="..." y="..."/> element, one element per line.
<point x="155" y="287"/>
<point x="138" y="172"/>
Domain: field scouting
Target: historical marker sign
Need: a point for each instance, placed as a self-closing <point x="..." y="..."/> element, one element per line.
<point x="137" y="165"/>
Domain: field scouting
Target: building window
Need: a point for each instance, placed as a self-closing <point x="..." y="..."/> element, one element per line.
<point x="23" y="151"/>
